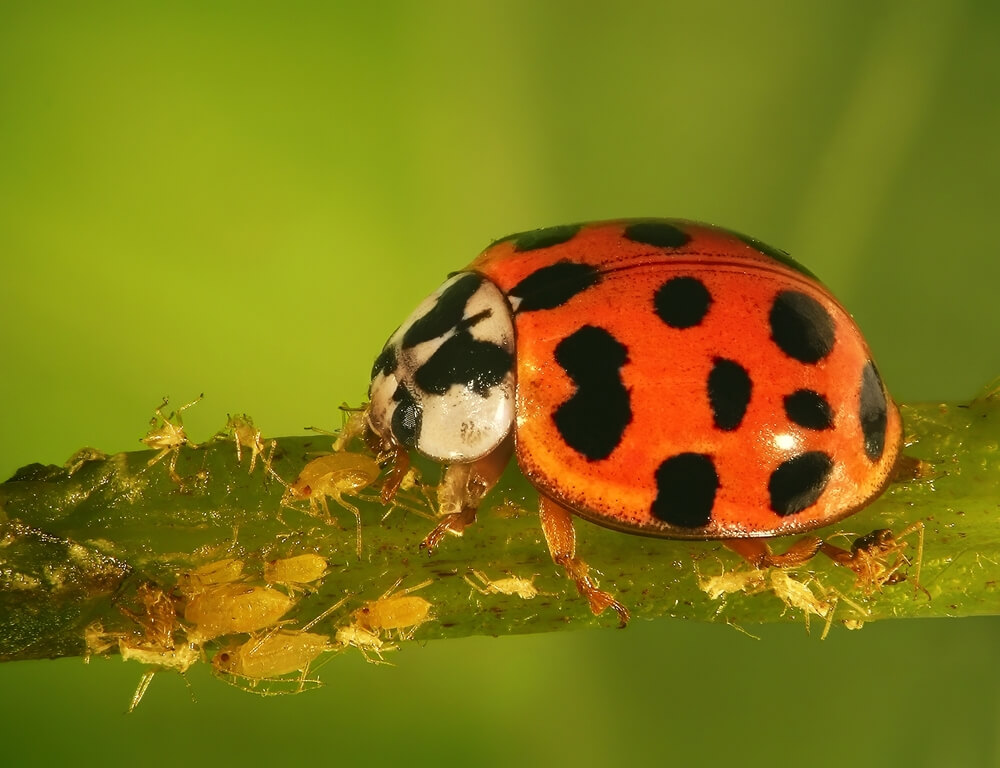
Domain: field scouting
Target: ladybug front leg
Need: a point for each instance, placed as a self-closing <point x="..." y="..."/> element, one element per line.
<point x="462" y="488"/>
<point x="557" y="525"/>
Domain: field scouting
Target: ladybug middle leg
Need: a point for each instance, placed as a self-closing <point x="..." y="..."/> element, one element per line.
<point x="557" y="525"/>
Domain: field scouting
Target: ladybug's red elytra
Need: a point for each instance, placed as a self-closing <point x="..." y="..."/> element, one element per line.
<point x="656" y="376"/>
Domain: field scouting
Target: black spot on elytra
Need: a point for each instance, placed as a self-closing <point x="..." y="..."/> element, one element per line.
<point x="801" y="327"/>
<point x="729" y="388"/>
<point x="446" y="313"/>
<point x="465" y="360"/>
<point x="682" y="302"/>
<point x="686" y="486"/>
<point x="798" y="483"/>
<point x="406" y="417"/>
<point x="552" y="286"/>
<point x="386" y="361"/>
<point x="808" y="409"/>
<point x="874" y="411"/>
<point x="595" y="416"/>
<point x="775" y="253"/>
<point x="658" y="233"/>
<point x="541" y="238"/>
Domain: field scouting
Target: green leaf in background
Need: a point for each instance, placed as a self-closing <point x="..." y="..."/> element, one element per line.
<point x="244" y="200"/>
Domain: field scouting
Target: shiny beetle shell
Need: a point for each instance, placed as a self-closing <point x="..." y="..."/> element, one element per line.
<point x="659" y="376"/>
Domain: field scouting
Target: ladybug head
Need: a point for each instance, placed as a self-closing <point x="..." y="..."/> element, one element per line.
<point x="444" y="382"/>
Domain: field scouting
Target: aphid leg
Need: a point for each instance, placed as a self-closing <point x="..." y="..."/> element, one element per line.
<point x="357" y="514"/>
<point x="272" y="446"/>
<point x="172" y="469"/>
<point x="140" y="691"/>
<point x="177" y="413"/>
<point x="462" y="487"/>
<point x="557" y="525"/>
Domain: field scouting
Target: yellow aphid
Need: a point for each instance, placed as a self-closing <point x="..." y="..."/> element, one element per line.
<point x="167" y="435"/>
<point x="512" y="585"/>
<point x="364" y="640"/>
<point x="296" y="572"/>
<point x="241" y="428"/>
<point x="333" y="476"/>
<point x="179" y="659"/>
<point x="220" y="572"/>
<point x="272" y="655"/>
<point x="227" y="609"/>
<point x="398" y="611"/>
<point x="727" y="583"/>
<point x="796" y="594"/>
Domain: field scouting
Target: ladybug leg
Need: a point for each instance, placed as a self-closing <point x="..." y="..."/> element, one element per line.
<point x="400" y="460"/>
<point x="462" y="488"/>
<point x="557" y="525"/>
<point x="758" y="552"/>
<point x="869" y="556"/>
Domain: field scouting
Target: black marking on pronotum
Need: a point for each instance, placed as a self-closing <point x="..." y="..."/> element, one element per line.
<point x="552" y="286"/>
<point x="686" y="486"/>
<point x="657" y="233"/>
<point x="540" y="238"/>
<point x="874" y="411"/>
<point x="465" y="360"/>
<point x="595" y="416"/>
<point x="729" y="388"/>
<point x="406" y="417"/>
<point x="801" y="327"/>
<point x="808" y="409"/>
<point x="775" y="253"/>
<point x="798" y="483"/>
<point x="386" y="362"/>
<point x="682" y="302"/>
<point x="447" y="312"/>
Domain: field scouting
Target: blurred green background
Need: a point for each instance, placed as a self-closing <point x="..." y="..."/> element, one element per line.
<point x="244" y="199"/>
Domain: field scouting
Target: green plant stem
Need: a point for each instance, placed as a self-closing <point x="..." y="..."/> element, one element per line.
<point x="78" y="541"/>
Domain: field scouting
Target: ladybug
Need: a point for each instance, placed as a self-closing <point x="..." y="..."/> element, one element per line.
<point x="656" y="376"/>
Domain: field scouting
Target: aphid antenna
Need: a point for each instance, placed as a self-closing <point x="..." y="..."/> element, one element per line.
<point x="327" y="612"/>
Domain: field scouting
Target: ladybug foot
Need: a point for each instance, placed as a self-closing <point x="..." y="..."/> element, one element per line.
<point x="454" y="523"/>
<point x="557" y="525"/>
<point x="599" y="600"/>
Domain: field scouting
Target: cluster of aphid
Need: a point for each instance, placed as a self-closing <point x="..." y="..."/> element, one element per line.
<point x="236" y="617"/>
<point x="220" y="606"/>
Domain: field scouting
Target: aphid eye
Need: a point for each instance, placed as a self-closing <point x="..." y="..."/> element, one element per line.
<point x="223" y="657"/>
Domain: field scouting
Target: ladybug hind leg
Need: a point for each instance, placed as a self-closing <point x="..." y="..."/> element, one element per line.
<point x="876" y="558"/>
<point x="557" y="525"/>
<point x="758" y="552"/>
